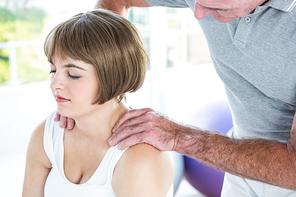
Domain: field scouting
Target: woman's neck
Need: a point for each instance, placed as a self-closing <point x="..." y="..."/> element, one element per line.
<point x="97" y="125"/>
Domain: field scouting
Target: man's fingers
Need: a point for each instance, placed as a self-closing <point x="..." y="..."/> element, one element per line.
<point x="63" y="122"/>
<point x="132" y="126"/>
<point x="70" y="123"/>
<point x="128" y="115"/>
<point x="57" y="116"/>
<point x="131" y="141"/>
<point x="129" y="124"/>
<point x="125" y="133"/>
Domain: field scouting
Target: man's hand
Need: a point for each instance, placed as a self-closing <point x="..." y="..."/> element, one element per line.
<point x="145" y="126"/>
<point x="65" y="122"/>
<point x="120" y="7"/>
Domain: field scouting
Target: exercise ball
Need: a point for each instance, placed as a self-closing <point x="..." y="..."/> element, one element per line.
<point x="207" y="180"/>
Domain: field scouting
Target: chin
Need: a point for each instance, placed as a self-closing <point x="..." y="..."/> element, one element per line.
<point x="65" y="112"/>
<point x="223" y="19"/>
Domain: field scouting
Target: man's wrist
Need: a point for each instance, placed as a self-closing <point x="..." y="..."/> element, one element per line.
<point x="192" y="141"/>
<point x="187" y="140"/>
<point x="120" y="7"/>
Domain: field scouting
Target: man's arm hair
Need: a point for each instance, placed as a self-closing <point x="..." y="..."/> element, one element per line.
<point x="256" y="159"/>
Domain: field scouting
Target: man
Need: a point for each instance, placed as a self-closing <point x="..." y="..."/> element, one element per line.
<point x="252" y="44"/>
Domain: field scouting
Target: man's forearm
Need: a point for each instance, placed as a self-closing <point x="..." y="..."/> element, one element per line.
<point x="256" y="159"/>
<point x="120" y="7"/>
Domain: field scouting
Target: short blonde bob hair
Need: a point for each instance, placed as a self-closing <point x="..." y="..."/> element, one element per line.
<point x="108" y="42"/>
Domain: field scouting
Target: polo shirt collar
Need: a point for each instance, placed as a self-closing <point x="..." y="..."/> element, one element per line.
<point x="284" y="5"/>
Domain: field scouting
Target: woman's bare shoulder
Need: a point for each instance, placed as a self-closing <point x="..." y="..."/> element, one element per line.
<point x="37" y="164"/>
<point x="145" y="154"/>
<point x="36" y="150"/>
<point x="143" y="169"/>
<point x="39" y="130"/>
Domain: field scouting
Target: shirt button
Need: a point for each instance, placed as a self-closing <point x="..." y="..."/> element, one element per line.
<point x="248" y="19"/>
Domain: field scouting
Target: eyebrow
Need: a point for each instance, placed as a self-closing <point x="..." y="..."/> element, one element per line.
<point x="73" y="66"/>
<point x="70" y="65"/>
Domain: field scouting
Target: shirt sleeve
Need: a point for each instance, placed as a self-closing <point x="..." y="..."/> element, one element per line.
<point x="169" y="3"/>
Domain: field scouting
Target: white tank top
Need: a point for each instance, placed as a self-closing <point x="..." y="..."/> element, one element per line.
<point x="57" y="185"/>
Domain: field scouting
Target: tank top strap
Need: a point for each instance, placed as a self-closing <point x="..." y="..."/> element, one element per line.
<point x="115" y="156"/>
<point x="109" y="162"/>
<point x="53" y="140"/>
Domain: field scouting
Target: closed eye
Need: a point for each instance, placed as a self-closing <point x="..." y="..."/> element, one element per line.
<point x="73" y="77"/>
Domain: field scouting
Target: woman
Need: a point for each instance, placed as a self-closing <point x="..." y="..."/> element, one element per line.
<point x="95" y="58"/>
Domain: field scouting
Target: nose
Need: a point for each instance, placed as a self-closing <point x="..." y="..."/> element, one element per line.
<point x="200" y="11"/>
<point x="57" y="82"/>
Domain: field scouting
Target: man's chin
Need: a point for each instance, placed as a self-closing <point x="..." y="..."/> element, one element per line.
<point x="223" y="19"/>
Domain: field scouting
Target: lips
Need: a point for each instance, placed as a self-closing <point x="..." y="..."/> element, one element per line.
<point x="61" y="99"/>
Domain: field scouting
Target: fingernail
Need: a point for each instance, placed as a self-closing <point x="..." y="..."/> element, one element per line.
<point x="62" y="123"/>
<point x="119" y="146"/>
<point x="69" y="125"/>
<point x="110" y="141"/>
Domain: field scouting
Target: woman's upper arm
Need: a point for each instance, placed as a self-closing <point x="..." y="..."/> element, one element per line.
<point x="37" y="165"/>
<point x="143" y="171"/>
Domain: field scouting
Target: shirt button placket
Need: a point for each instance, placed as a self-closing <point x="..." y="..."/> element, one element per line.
<point x="243" y="31"/>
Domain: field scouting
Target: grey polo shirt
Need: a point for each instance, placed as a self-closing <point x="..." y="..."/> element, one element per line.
<point x="255" y="56"/>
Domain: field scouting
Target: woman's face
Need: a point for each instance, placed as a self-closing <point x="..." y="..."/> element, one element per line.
<point x="74" y="85"/>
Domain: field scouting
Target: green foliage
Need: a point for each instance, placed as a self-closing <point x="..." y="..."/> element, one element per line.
<point x="22" y="24"/>
<point x="31" y="68"/>
<point x="6" y="15"/>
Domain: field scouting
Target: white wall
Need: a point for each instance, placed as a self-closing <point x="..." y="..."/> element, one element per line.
<point x="21" y="109"/>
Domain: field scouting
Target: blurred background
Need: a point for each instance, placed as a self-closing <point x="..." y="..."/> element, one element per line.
<point x="180" y="80"/>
